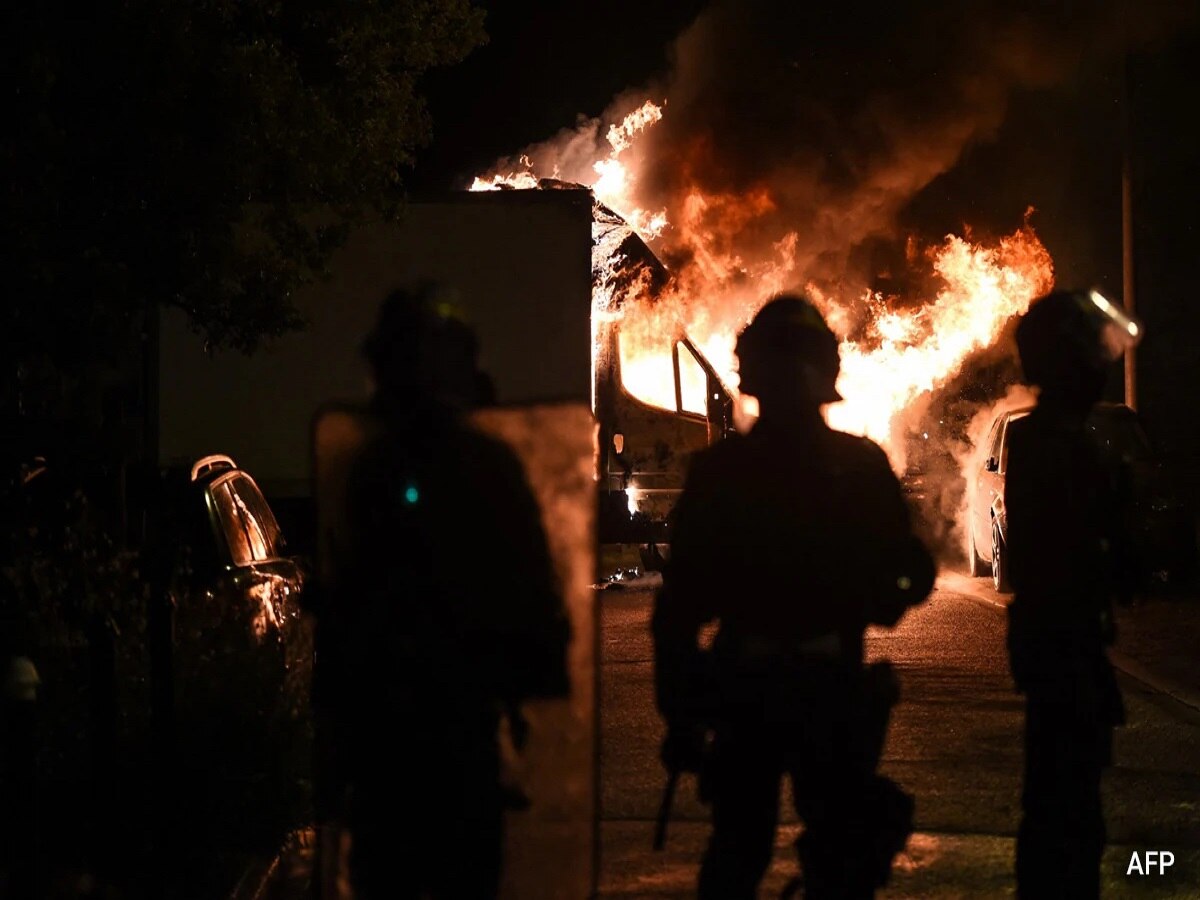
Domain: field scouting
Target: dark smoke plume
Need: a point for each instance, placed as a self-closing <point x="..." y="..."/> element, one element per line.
<point x="843" y="112"/>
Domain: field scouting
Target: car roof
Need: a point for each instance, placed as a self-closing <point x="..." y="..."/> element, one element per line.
<point x="1116" y="409"/>
<point x="1016" y="413"/>
<point x="199" y="474"/>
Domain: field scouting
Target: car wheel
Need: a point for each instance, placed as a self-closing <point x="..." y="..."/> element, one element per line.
<point x="999" y="563"/>
<point x="976" y="567"/>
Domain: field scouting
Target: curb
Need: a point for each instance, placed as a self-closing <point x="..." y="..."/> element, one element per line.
<point x="961" y="585"/>
<point x="1185" y="696"/>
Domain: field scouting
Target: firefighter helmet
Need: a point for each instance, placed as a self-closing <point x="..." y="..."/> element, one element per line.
<point x="788" y="340"/>
<point x="1067" y="339"/>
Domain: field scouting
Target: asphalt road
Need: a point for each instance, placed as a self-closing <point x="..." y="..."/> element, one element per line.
<point x="955" y="743"/>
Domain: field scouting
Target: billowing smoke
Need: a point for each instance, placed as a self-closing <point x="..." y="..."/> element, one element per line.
<point x="840" y="114"/>
<point x="791" y="140"/>
<point x="809" y="119"/>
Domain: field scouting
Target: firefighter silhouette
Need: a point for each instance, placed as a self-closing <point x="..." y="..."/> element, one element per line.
<point x="793" y="538"/>
<point x="445" y="615"/>
<point x="1068" y="562"/>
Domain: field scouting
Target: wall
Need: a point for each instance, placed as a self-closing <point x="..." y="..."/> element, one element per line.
<point x="521" y="262"/>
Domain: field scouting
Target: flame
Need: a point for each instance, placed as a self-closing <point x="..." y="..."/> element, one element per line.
<point x="895" y="350"/>
<point x="919" y="351"/>
<point x="609" y="179"/>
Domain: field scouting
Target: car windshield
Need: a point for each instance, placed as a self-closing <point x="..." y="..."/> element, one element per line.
<point x="1119" y="435"/>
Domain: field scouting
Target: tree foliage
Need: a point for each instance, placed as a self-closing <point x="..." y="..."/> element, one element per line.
<point x="180" y="154"/>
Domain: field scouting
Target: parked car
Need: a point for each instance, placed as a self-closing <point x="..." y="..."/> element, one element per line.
<point x="79" y="606"/>
<point x="233" y="544"/>
<point x="1161" y="525"/>
<point x="242" y="653"/>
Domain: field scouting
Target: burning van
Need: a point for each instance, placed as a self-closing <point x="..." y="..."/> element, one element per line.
<point x="653" y="410"/>
<point x="683" y="258"/>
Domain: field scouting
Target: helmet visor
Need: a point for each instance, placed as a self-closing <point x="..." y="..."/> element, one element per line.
<point x="1120" y="330"/>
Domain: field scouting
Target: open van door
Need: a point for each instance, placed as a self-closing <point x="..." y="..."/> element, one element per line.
<point x="651" y="421"/>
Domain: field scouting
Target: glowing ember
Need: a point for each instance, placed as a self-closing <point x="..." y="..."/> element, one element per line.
<point x="893" y="353"/>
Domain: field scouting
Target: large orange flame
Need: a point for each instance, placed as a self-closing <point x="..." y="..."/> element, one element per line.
<point x="892" y="354"/>
<point x="918" y="351"/>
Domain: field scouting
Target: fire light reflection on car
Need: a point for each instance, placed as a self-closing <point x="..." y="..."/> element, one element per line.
<point x="270" y="595"/>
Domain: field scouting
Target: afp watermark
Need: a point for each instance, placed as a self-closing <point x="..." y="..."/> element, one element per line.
<point x="1150" y="862"/>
